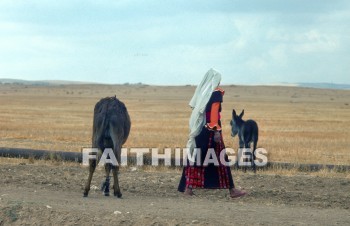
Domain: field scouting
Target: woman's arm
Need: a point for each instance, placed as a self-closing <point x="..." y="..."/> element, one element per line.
<point x="214" y="117"/>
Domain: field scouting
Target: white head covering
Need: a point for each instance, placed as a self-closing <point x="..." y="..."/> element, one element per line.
<point x="199" y="102"/>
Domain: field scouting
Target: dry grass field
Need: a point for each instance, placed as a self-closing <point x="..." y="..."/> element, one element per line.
<point x="298" y="125"/>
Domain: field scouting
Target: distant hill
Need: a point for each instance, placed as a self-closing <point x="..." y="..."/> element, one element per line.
<point x="63" y="82"/>
<point x="41" y="82"/>
<point x="324" y="85"/>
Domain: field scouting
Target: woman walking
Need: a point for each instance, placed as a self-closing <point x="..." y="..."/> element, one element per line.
<point x="206" y="134"/>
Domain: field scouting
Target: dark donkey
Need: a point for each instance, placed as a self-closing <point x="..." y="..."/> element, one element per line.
<point x="111" y="127"/>
<point x="248" y="133"/>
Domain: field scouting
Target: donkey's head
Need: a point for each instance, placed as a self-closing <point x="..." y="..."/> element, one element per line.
<point x="236" y="122"/>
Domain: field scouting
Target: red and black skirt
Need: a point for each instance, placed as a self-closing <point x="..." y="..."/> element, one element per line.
<point x="211" y="176"/>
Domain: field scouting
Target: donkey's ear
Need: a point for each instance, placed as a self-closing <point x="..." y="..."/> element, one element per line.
<point x="242" y="113"/>
<point x="234" y="113"/>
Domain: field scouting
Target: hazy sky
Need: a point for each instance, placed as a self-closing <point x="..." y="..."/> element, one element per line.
<point x="176" y="42"/>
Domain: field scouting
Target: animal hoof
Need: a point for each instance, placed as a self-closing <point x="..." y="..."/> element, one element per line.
<point x="85" y="195"/>
<point x="119" y="195"/>
<point x="106" y="194"/>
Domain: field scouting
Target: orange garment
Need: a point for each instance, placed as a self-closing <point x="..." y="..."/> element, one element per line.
<point x="214" y="117"/>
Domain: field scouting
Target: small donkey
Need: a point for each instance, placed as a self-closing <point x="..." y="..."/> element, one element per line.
<point x="247" y="133"/>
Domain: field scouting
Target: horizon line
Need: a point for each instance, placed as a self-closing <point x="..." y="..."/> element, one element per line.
<point x="80" y="82"/>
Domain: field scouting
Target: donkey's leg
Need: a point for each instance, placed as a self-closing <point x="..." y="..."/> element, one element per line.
<point x="92" y="167"/>
<point x="116" y="182"/>
<point x="117" y="134"/>
<point x="253" y="161"/>
<point x="92" y="164"/>
<point x="254" y="157"/>
<point x="116" y="172"/>
<point x="247" y="152"/>
<point x="241" y="151"/>
<point x="105" y="185"/>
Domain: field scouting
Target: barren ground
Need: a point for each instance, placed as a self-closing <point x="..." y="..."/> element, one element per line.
<point x="52" y="194"/>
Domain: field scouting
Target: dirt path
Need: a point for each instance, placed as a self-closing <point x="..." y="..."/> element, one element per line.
<point x="43" y="195"/>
